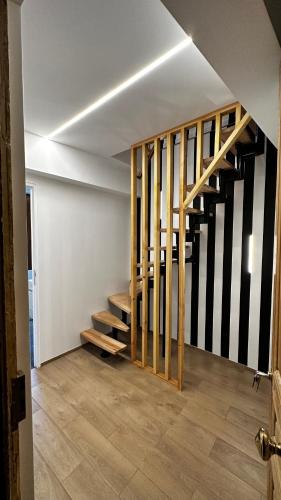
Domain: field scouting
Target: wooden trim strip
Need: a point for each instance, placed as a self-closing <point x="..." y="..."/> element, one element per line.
<point x="144" y="223"/>
<point x="217" y="158"/>
<point x="199" y="149"/>
<point x="156" y="289"/>
<point x="191" y="123"/>
<point x="133" y="254"/>
<point x="276" y="334"/>
<point x="9" y="437"/>
<point x="169" y="254"/>
<point x="182" y="231"/>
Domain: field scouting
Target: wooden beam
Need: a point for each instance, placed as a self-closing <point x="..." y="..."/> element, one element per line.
<point x="144" y="223"/>
<point x="199" y="149"/>
<point x="217" y="134"/>
<point x="238" y="113"/>
<point x="156" y="288"/>
<point x="133" y="253"/>
<point x="191" y="123"/>
<point x="169" y="253"/>
<point x="182" y="231"/>
<point x="218" y="157"/>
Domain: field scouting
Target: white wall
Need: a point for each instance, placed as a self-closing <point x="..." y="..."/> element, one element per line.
<point x="52" y="159"/>
<point x="20" y="242"/>
<point x="83" y="242"/>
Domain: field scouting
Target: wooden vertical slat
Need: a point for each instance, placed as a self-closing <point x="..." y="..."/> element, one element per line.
<point x="199" y="150"/>
<point x="238" y="114"/>
<point x="169" y="253"/>
<point x="217" y="133"/>
<point x="144" y="222"/>
<point x="182" y="233"/>
<point x="156" y="289"/>
<point x="133" y="254"/>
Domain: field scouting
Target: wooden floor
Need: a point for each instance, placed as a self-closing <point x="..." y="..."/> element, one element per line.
<point x="107" y="430"/>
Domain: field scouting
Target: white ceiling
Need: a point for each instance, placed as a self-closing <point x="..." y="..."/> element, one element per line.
<point x="75" y="52"/>
<point x="244" y="51"/>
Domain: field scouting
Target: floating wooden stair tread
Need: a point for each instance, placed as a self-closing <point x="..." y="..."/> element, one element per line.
<point x="121" y="300"/>
<point x="165" y="248"/>
<point x="176" y="230"/>
<point x="244" y="137"/>
<point x="149" y="264"/>
<point x="103" y="341"/>
<point x="204" y="189"/>
<point x="140" y="276"/>
<point x="223" y="165"/>
<point x="107" y="318"/>
<point x="189" y="211"/>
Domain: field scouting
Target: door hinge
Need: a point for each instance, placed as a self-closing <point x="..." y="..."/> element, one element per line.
<point x="18" y="407"/>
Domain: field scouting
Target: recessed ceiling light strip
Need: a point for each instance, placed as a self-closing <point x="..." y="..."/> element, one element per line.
<point x="123" y="86"/>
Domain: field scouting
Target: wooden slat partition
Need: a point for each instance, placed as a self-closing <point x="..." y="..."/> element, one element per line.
<point x="182" y="232"/>
<point x="156" y="289"/>
<point x="133" y="254"/>
<point x="144" y="221"/>
<point x="199" y="149"/>
<point x="169" y="253"/>
<point x="149" y="147"/>
<point x="219" y="156"/>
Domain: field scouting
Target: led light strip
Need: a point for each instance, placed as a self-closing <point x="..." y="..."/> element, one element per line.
<point x="123" y="86"/>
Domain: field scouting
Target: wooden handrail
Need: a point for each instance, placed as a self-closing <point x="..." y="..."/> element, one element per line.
<point x="218" y="157"/>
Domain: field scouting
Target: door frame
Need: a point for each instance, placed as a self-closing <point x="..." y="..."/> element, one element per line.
<point x="276" y="320"/>
<point x="9" y="449"/>
<point x="35" y="268"/>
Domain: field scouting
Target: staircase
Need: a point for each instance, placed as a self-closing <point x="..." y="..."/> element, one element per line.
<point x="230" y="144"/>
<point x="110" y="344"/>
<point x="233" y="137"/>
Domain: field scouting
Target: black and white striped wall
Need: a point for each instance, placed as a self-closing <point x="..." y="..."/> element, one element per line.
<point x="235" y="270"/>
<point x="229" y="287"/>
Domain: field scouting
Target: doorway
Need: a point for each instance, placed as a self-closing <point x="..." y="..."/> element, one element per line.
<point x="32" y="278"/>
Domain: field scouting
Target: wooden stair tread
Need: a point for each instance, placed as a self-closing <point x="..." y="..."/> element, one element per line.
<point x="223" y="165"/>
<point x="151" y="264"/>
<point x="107" y="318"/>
<point x="165" y="248"/>
<point x="189" y="211"/>
<point x="103" y="341"/>
<point x="121" y="300"/>
<point x="205" y="189"/>
<point x="244" y="137"/>
<point x="150" y="275"/>
<point x="176" y="230"/>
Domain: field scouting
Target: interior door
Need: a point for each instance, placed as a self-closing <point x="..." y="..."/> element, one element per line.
<point x="269" y="442"/>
